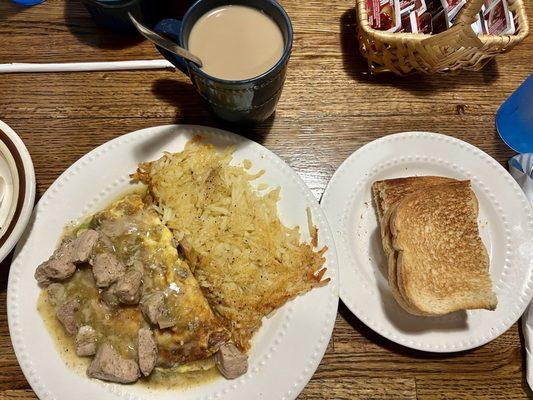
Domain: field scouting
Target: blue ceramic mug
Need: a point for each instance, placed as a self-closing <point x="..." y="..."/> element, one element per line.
<point x="245" y="101"/>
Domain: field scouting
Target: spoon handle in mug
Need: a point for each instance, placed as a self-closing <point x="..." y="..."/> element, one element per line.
<point x="164" y="43"/>
<point x="171" y="28"/>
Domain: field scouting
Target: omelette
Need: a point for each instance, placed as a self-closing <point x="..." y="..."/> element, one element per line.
<point x="133" y="233"/>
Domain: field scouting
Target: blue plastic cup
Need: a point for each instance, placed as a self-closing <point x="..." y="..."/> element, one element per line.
<point x="27" y="2"/>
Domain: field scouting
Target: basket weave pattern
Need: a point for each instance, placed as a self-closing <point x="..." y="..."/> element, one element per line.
<point x="454" y="49"/>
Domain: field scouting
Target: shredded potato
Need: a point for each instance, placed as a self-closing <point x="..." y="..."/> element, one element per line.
<point x="245" y="260"/>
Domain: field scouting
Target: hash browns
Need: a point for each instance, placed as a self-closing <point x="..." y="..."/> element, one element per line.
<point x="246" y="261"/>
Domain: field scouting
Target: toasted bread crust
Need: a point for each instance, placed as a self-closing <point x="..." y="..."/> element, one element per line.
<point x="392" y="256"/>
<point x="442" y="264"/>
<point x="389" y="191"/>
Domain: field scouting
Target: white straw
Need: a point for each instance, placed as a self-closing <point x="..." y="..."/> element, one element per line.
<point x="86" y="66"/>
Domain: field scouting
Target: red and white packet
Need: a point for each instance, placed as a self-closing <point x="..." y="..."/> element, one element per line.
<point x="420" y="6"/>
<point x="452" y="7"/>
<point x="384" y="14"/>
<point x="512" y="26"/>
<point x="497" y="18"/>
<point x="421" y="22"/>
<point x="417" y="20"/>
<point x="406" y="6"/>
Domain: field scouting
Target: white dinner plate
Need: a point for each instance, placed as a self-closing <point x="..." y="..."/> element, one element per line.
<point x="285" y="351"/>
<point x="506" y="227"/>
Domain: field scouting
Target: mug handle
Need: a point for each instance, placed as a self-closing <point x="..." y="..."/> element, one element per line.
<point x="171" y="28"/>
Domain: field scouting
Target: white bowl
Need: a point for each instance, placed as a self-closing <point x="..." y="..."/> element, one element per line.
<point x="17" y="187"/>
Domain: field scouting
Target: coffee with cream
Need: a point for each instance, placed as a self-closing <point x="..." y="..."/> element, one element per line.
<point x="236" y="42"/>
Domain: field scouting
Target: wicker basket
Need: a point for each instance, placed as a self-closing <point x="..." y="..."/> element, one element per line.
<point x="452" y="50"/>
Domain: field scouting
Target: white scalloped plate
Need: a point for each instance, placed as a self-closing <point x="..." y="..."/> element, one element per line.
<point x="287" y="349"/>
<point x="506" y="226"/>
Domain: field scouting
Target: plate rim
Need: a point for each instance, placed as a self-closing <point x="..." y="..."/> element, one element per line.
<point x="331" y="301"/>
<point x="362" y="316"/>
<point x="28" y="201"/>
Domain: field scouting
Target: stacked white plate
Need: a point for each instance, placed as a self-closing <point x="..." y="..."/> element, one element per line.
<point x="17" y="188"/>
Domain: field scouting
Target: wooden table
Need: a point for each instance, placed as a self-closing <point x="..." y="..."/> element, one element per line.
<point x="329" y="108"/>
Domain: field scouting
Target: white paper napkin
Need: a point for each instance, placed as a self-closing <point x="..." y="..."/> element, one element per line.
<point x="521" y="168"/>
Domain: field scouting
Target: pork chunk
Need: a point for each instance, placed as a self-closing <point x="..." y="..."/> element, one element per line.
<point x="55" y="269"/>
<point x="86" y="341"/>
<point x="41" y="276"/>
<point x="109" y="296"/>
<point x="107" y="269"/>
<point x="64" y="251"/>
<point x="56" y="293"/>
<point x="82" y="246"/>
<point x="230" y="361"/>
<point x="153" y="306"/>
<point x="109" y="365"/>
<point x="58" y="267"/>
<point x="128" y="287"/>
<point x="66" y="314"/>
<point x="147" y="350"/>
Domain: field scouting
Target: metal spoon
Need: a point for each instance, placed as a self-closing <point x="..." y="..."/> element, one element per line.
<point x="160" y="41"/>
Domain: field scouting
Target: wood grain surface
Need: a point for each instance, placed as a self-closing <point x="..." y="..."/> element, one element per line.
<point x="329" y="108"/>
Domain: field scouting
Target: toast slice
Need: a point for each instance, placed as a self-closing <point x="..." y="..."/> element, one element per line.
<point x="389" y="191"/>
<point x="442" y="265"/>
<point x="386" y="194"/>
<point x="392" y="256"/>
